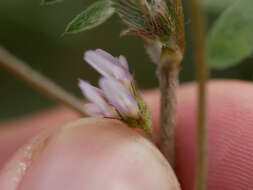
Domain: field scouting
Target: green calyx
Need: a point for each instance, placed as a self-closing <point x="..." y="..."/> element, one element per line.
<point x="143" y="121"/>
<point x="145" y="116"/>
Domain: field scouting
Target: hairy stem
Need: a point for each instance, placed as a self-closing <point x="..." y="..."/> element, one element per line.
<point x="168" y="85"/>
<point x="198" y="32"/>
<point x="168" y="71"/>
<point x="168" y="62"/>
<point x="39" y="82"/>
<point x="168" y="57"/>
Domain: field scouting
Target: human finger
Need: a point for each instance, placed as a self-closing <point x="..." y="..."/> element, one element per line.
<point x="89" y="154"/>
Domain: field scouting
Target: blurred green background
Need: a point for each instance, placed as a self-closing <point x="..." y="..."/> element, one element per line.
<point x="33" y="33"/>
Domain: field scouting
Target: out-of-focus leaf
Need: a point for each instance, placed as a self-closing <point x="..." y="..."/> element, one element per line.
<point x="231" y="38"/>
<point x="217" y="5"/>
<point x="50" y="2"/>
<point x="92" y="17"/>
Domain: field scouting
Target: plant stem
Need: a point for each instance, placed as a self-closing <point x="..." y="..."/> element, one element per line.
<point x="39" y="82"/>
<point x="198" y="32"/>
<point x="168" y="61"/>
<point x="168" y="71"/>
<point x="168" y="85"/>
<point x="168" y="57"/>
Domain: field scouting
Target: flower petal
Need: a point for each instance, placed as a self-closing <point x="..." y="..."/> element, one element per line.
<point x="106" y="55"/>
<point x="98" y="105"/>
<point x="93" y="94"/>
<point x="93" y="110"/>
<point x="120" y="97"/>
<point x="120" y="61"/>
<point x="106" y="65"/>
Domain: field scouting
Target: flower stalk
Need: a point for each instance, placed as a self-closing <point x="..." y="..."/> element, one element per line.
<point x="198" y="34"/>
<point x="39" y="82"/>
<point x="168" y="84"/>
<point x="168" y="57"/>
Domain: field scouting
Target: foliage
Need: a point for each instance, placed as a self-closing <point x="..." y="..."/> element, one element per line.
<point x="230" y="40"/>
<point x="91" y="17"/>
<point x="217" y="5"/>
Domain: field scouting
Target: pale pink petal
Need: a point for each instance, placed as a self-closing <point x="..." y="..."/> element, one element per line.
<point x="120" y="97"/>
<point x="93" y="94"/>
<point x="121" y="61"/>
<point x="93" y="110"/>
<point x="106" y="55"/>
<point x="106" y="65"/>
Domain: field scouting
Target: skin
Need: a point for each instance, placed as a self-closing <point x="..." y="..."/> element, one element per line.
<point x="105" y="154"/>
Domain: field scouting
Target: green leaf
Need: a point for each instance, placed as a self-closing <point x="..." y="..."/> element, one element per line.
<point x="92" y="17"/>
<point x="217" y="5"/>
<point x="50" y="2"/>
<point x="231" y="38"/>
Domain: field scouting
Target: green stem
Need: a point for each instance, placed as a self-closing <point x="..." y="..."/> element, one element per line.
<point x="39" y="82"/>
<point x="198" y="32"/>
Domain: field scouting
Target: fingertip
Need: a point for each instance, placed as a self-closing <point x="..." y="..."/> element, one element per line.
<point x="89" y="154"/>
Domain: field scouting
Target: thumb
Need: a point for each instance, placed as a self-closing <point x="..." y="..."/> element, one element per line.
<point x="89" y="154"/>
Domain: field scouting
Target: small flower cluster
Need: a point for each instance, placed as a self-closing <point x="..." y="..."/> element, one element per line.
<point x="117" y="96"/>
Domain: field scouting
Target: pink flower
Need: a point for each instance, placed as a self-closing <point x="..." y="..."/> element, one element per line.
<point x="117" y="97"/>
